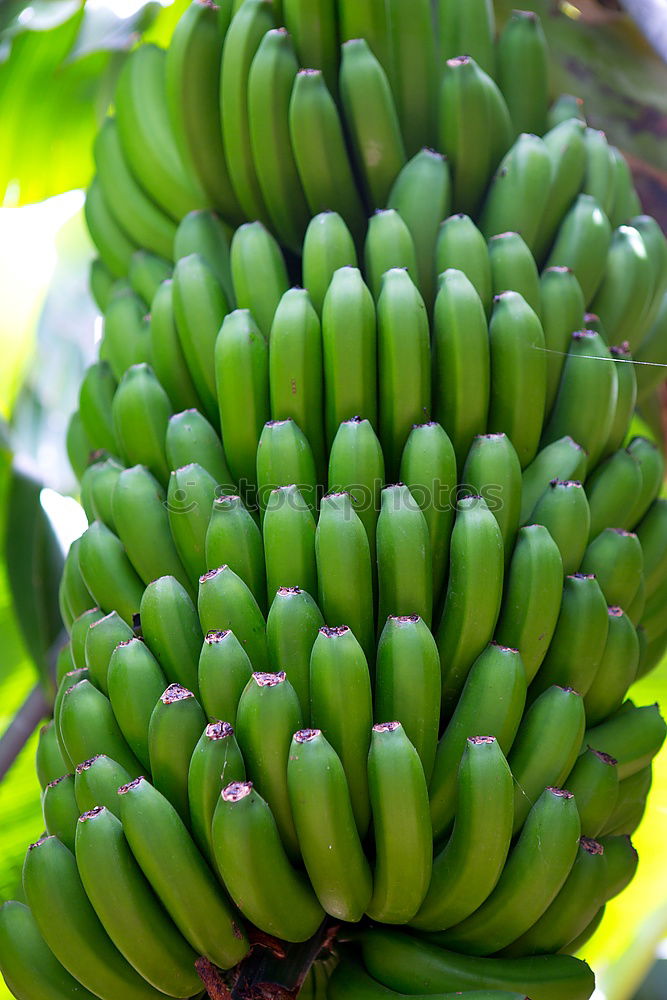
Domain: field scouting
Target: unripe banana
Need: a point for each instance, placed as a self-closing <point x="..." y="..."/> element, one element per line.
<point x="535" y="873"/>
<point x="49" y="761"/>
<point x="402" y="825"/>
<point x="179" y="875"/>
<point x="617" y="560"/>
<point x="67" y="680"/>
<point x="356" y="466"/>
<point x="268" y="714"/>
<point x="167" y="355"/>
<point x="60" y="810"/>
<point x="594" y="783"/>
<point x="630" y="803"/>
<point x="328" y="839"/>
<point x="518" y="374"/>
<point x="190" y="438"/>
<point x="70" y="927"/>
<point x="113" y="245"/>
<point x="248" y="26"/>
<point x="289" y="542"/>
<point x="586" y="414"/>
<point x="565" y="142"/>
<point x="582" y="243"/>
<point x="652" y="465"/>
<point x="234" y="539"/>
<point x="622" y="859"/>
<point x="296" y="369"/>
<point x="200" y="306"/>
<point x="546" y="747"/>
<point x="564" y="510"/>
<point x="88" y="726"/>
<point x="96" y="783"/>
<point x="562" y="313"/>
<point x="190" y="498"/>
<point x="365" y="19"/>
<point x="412" y="70"/>
<point x="259" y="273"/>
<point x="404" y="962"/>
<point x="242" y="378"/>
<point x="341" y="707"/>
<point x="651" y="532"/>
<point x="344" y="571"/>
<point x="625" y="203"/>
<point x="519" y="192"/>
<point x="562" y="461"/>
<point x="624" y="292"/>
<point x="216" y="762"/>
<point x="404" y="558"/>
<point x="523" y="71"/>
<point x="170" y="626"/>
<point x="320" y="151"/>
<point x="351" y="979"/>
<point x="77" y="444"/>
<point x="126" y="338"/>
<point x="292" y="625"/>
<point x="256" y="870"/>
<point x="107" y="572"/>
<point x="656" y="246"/>
<point x="513" y="268"/>
<point x="461" y="246"/>
<point x="64" y="662"/>
<point x="600" y="170"/>
<point x="349" y="342"/>
<point x="224" y="670"/>
<point x="428" y="468"/>
<point x="407" y="683"/>
<point x="73" y="592"/>
<point x="97" y="486"/>
<point x="225" y="602"/>
<point x="205" y="233"/>
<point x="470" y="28"/>
<point x="314" y="29"/>
<point x="78" y="633"/>
<point x="135" y="683"/>
<point x="633" y="737"/>
<point x="127" y="907"/>
<point x="492" y="466"/>
<point x="578" y="643"/>
<point x="284" y="458"/>
<point x="95" y="397"/>
<point x="492" y="701"/>
<point x="461" y="365"/>
<point x="626" y="397"/>
<point x="575" y="947"/>
<point x="372" y="120"/>
<point x="327" y="246"/>
<point x="389" y="244"/>
<point x="146" y="273"/>
<point x="612" y="491"/>
<point x="532" y="597"/>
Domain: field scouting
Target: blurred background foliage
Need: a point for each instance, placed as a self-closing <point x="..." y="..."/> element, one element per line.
<point x="59" y="60"/>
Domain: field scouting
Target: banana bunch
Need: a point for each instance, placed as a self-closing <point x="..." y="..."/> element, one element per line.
<point x="372" y="557"/>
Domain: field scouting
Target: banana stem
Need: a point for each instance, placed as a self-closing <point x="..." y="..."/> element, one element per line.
<point x="34" y="709"/>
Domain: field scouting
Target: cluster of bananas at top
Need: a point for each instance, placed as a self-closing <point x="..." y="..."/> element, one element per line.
<point x="370" y="564"/>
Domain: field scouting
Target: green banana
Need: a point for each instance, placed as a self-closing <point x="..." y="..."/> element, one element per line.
<point x="652" y="465"/>
<point x="519" y="191"/>
<point x="189" y="438"/>
<point x="78" y="633"/>
<point x="127" y="908"/>
<point x="205" y="233"/>
<point x="565" y="511"/>
<point x="341" y="707"/>
<point x="492" y="467"/>
<point x="292" y="625"/>
<point x="225" y="602"/>
<point x="633" y="736"/>
<point x="404" y="557"/>
<point x="216" y="762"/>
<point x="349" y="349"/>
<point x="289" y="542"/>
<point x="107" y="572"/>
<point x="461" y="246"/>
<point x="88" y="726"/>
<point x="67" y="680"/>
<point x="404" y="363"/>
<point x="64" y="663"/>
<point x="234" y="539"/>
<point x="320" y="151"/>
<point x="577" y="647"/>
<point x="513" y="268"/>
<point x="135" y="683"/>
<point x="546" y="747"/>
<point x="563" y="460"/>
<point x="170" y="626"/>
<point x="96" y="783"/>
<point x="242" y="377"/>
<point x="167" y="355"/>
<point x="617" y="669"/>
<point x="566" y="144"/>
<point x="523" y="71"/>
<point x="651" y="355"/>
<point x="351" y="979"/>
<point x="612" y="490"/>
<point x="248" y="26"/>
<point x="97" y="486"/>
<point x="296" y="369"/>
<point x="126" y="339"/>
<point x="328" y="840"/>
<point x="470" y="28"/>
<point x="421" y="194"/>
<point x="566" y="106"/>
<point x="582" y="244"/>
<point x="626" y="397"/>
<point x="190" y="498"/>
<point x="401" y="823"/>
<point x="113" y="245"/>
<point x="467" y="869"/>
<point x="142" y="524"/>
<point x="146" y="274"/>
<point x="77" y="444"/>
<point x="60" y="810"/>
<point x="285" y="458"/>
<point x="200" y="306"/>
<point x="587" y="415"/>
<point x="256" y="870"/>
<point x="532" y="597"/>
<point x="622" y="859"/>
<point x="70" y="927"/>
<point x="651" y="532"/>
<point x="600" y="169"/>
<point x="428" y="468"/>
<point x="594" y="783"/>
<point x="474" y="592"/>
<point x="492" y="701"/>
<point x="630" y="803"/>
<point x="518" y="374"/>
<point x="193" y="60"/>
<point x="314" y="28"/>
<point x="624" y="292"/>
<point x="223" y="672"/>
<point x="73" y="590"/>
<point x="175" y="725"/>
<point x="344" y="571"/>
<point x="365" y="19"/>
<point x="267" y="716"/>
<point x="356" y="466"/>
<point x="412" y="70"/>
<point x="327" y="246"/>
<point x="389" y="244"/>
<point x="259" y="273"/>
<point x="49" y="761"/>
<point x="95" y="397"/>
<point x="179" y="875"/>
<point x="615" y="557"/>
<point x="407" y="683"/>
<point x="625" y="202"/>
